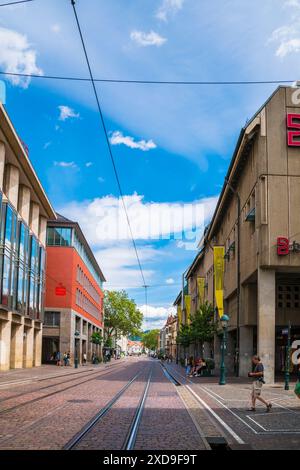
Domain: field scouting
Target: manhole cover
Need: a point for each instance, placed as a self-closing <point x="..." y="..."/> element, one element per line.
<point x="80" y="401"/>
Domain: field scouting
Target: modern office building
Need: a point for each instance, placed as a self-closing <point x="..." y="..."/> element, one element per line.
<point x="257" y="221"/>
<point x="25" y="209"/>
<point x="74" y="293"/>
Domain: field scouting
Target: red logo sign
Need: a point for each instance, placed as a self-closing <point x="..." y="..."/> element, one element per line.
<point x="293" y="136"/>
<point x="284" y="247"/>
<point x="60" y="290"/>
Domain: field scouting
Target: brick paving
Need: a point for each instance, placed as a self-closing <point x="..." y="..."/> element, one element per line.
<point x="166" y="424"/>
<point x="172" y="418"/>
<point x="279" y="429"/>
<point x="50" y="423"/>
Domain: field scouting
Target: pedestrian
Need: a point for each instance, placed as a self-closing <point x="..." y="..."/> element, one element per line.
<point x="258" y="375"/>
<point x="58" y="358"/>
<point x="65" y="358"/>
<point x="93" y="358"/>
<point x="84" y="359"/>
<point x="189" y="366"/>
<point x="68" y="358"/>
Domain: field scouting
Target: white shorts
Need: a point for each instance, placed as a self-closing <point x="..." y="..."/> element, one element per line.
<point x="256" y="388"/>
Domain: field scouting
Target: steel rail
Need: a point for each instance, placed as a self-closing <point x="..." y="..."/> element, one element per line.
<point x="132" y="435"/>
<point x="91" y="424"/>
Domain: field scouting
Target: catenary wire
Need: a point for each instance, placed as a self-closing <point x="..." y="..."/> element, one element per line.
<point x="15" y="3"/>
<point x="107" y="139"/>
<point x="146" y="82"/>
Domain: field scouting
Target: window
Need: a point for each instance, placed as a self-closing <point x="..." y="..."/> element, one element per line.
<point x="23" y="242"/>
<point x="20" y="289"/>
<point x="5" y="279"/>
<point x="59" y="236"/>
<point x="52" y="319"/>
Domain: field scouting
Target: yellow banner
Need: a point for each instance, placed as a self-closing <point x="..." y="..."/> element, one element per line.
<point x="201" y="289"/>
<point x="187" y="301"/>
<point x="219" y="253"/>
<point x="179" y="314"/>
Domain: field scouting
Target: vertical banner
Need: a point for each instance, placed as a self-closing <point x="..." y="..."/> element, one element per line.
<point x="187" y="301"/>
<point x="219" y="253"/>
<point x="201" y="289"/>
<point x="179" y="314"/>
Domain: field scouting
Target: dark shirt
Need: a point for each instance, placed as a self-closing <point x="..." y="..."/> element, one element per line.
<point x="259" y="368"/>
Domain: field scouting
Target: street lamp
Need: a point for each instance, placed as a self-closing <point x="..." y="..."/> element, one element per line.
<point x="224" y="322"/>
<point x="76" y="334"/>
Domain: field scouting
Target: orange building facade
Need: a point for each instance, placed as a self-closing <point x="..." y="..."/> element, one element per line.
<point x="74" y="294"/>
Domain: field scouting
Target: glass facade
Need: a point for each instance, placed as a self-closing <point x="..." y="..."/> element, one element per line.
<point x="22" y="268"/>
<point x="59" y="236"/>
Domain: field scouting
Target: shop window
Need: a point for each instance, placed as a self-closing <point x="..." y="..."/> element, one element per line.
<point x="287" y="296"/>
<point x="52" y="319"/>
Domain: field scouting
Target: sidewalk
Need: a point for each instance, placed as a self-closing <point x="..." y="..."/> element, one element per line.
<point x="21" y="376"/>
<point x="279" y="429"/>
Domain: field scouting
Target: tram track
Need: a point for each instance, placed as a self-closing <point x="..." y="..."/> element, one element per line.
<point x="131" y="433"/>
<point x="47" y="395"/>
<point x="223" y="430"/>
<point x="78" y="376"/>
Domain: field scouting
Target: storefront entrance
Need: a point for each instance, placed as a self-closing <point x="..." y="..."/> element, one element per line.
<point x="49" y="348"/>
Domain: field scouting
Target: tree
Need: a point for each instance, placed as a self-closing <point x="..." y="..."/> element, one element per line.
<point x="149" y="339"/>
<point x="121" y="315"/>
<point x="203" y="326"/>
<point x="184" y="336"/>
<point x="96" y="338"/>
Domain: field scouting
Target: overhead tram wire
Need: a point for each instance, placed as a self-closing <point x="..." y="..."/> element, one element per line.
<point x="15" y="3"/>
<point x="107" y="141"/>
<point x="146" y="82"/>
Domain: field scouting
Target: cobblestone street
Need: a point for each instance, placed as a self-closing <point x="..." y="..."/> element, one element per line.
<point x="50" y="407"/>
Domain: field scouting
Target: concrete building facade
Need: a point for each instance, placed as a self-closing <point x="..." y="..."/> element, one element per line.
<point x="257" y="221"/>
<point x="74" y="294"/>
<point x="25" y="209"/>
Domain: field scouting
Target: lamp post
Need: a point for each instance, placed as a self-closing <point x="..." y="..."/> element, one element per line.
<point x="224" y="322"/>
<point x="76" y="334"/>
<point x="287" y="360"/>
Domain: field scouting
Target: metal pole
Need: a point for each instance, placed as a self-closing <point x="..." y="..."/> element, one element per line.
<point x="287" y="360"/>
<point x="222" y="367"/>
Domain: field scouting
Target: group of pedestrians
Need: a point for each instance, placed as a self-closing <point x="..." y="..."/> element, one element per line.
<point x="195" y="367"/>
<point x="64" y="359"/>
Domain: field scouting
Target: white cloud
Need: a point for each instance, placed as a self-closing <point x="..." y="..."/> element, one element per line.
<point x="66" y="113"/>
<point x="147" y="39"/>
<point x="104" y="218"/>
<point x="155" y="317"/>
<point x="46" y="145"/>
<point x="17" y="56"/>
<point x="170" y="281"/>
<point x="66" y="164"/>
<point x="88" y="164"/>
<point x="56" y="28"/>
<point x="119" y="264"/>
<point x="101" y="180"/>
<point x="168" y="8"/>
<point x="288" y="36"/>
<point x="117" y="138"/>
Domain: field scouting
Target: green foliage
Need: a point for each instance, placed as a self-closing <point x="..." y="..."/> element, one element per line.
<point x="203" y="326"/>
<point x="96" y="338"/>
<point x="184" y="336"/>
<point x="150" y="339"/>
<point x="121" y="316"/>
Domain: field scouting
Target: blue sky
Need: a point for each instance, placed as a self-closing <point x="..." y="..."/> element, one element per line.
<point x="172" y="144"/>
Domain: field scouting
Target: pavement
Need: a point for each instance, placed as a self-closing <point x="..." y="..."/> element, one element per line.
<point x="279" y="429"/>
<point x="43" y="408"/>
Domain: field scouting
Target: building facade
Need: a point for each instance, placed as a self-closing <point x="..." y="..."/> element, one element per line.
<point x="25" y="209"/>
<point x="257" y="221"/>
<point x="74" y="293"/>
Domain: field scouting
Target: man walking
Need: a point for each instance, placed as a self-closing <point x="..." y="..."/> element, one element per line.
<point x="258" y="375"/>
